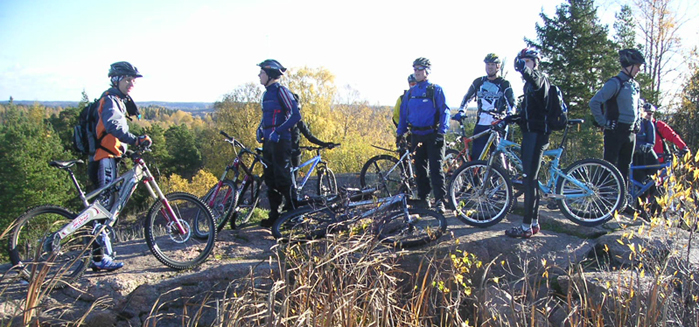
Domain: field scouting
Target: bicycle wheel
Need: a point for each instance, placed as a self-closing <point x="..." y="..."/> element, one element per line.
<point x="248" y="200"/>
<point x="595" y="202"/>
<point x="479" y="201"/>
<point x="453" y="159"/>
<point x="420" y="227"/>
<point x="327" y="184"/>
<point x="305" y="223"/>
<point x="383" y="173"/>
<point x="174" y="247"/>
<point x="34" y="243"/>
<point x="222" y="204"/>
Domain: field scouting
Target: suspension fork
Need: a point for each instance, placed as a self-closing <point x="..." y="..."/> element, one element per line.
<point x="156" y="193"/>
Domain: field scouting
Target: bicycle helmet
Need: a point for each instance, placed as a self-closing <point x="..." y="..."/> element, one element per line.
<point x="491" y="57"/>
<point x="123" y="68"/>
<point x="649" y="107"/>
<point x="628" y="57"/>
<point x="530" y="53"/>
<point x="272" y="68"/>
<point x="411" y="78"/>
<point x="422" y="61"/>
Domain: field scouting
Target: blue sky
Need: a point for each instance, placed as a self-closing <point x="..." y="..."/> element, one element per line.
<point x="197" y="51"/>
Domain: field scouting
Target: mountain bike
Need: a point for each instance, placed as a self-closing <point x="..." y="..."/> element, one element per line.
<point x="390" y="175"/>
<point x="390" y="218"/>
<point x="54" y="242"/>
<point x="645" y="192"/>
<point x="453" y="158"/>
<point x="327" y="184"/>
<point x="235" y="199"/>
<point x="588" y="191"/>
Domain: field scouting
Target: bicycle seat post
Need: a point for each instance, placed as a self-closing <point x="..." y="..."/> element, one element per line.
<point x="81" y="194"/>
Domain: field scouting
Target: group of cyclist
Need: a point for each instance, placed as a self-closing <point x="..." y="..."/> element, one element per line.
<point x="422" y="115"/>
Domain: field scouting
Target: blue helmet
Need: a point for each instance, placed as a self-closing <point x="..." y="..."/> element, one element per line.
<point x="272" y="67"/>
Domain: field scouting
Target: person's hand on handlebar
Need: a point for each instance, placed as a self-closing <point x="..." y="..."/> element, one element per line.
<point x="144" y="141"/>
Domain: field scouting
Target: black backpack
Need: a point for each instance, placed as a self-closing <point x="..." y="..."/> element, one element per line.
<point x="556" y="109"/>
<point x="84" y="133"/>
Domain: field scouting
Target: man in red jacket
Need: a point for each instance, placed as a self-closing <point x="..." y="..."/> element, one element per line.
<point x="663" y="132"/>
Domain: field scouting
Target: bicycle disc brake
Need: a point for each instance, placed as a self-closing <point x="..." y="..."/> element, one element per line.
<point x="175" y="234"/>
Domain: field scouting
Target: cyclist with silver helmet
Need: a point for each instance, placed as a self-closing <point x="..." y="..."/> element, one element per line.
<point x="615" y="108"/>
<point x="280" y="113"/>
<point x="535" y="137"/>
<point x="396" y="108"/>
<point x="115" y="105"/>
<point x="495" y="100"/>
<point x="424" y="112"/>
<point x="663" y="132"/>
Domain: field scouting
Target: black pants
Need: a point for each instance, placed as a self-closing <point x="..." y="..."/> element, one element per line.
<point x="618" y="149"/>
<point x="429" y="148"/>
<point x="533" y="146"/>
<point x="277" y="175"/>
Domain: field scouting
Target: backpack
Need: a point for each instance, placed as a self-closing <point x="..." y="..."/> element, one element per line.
<point x="429" y="94"/>
<point x="556" y="109"/>
<point x="84" y="133"/>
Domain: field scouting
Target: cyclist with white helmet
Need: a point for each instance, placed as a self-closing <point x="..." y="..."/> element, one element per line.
<point x="495" y="100"/>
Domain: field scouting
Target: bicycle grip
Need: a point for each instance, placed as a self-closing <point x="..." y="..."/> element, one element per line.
<point x="226" y="135"/>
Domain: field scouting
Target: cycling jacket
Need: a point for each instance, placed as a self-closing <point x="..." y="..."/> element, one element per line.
<point x="277" y="116"/>
<point x="112" y="126"/>
<point x="628" y="100"/>
<point x="533" y="112"/>
<point x="493" y="96"/>
<point x="421" y="113"/>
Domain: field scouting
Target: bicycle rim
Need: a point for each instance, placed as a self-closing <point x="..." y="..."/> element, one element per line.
<point x="421" y="227"/>
<point x="221" y="206"/>
<point x="596" y="202"/>
<point x="247" y="202"/>
<point x="327" y="184"/>
<point x="382" y="173"/>
<point x="303" y="224"/>
<point x="31" y="247"/>
<point x="174" y="247"/>
<point x="478" y="201"/>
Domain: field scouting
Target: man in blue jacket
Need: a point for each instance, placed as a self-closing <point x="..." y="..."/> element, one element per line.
<point x="424" y="111"/>
<point x="280" y="113"/>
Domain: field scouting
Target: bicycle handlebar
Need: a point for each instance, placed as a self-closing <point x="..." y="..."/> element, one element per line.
<point x="328" y="146"/>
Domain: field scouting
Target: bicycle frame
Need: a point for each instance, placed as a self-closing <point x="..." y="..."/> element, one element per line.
<point x="510" y="149"/>
<point x="129" y="181"/>
<point x="406" y="160"/>
<point x="313" y="162"/>
<point x="466" y="153"/>
<point x="637" y="188"/>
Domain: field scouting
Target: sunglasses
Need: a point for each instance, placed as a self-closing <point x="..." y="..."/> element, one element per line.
<point x="419" y="67"/>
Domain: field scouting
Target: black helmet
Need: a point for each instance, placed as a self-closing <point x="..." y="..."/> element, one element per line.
<point x="424" y="62"/>
<point x="649" y="107"/>
<point x="123" y="68"/>
<point x="412" y="79"/>
<point x="491" y="57"/>
<point x="530" y="53"/>
<point x="628" y="57"/>
<point x="272" y="67"/>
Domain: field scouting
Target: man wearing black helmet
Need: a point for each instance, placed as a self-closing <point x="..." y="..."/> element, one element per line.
<point x="425" y="112"/>
<point x="535" y="137"/>
<point x="495" y="100"/>
<point x="396" y="108"/>
<point x="280" y="113"/>
<point x="115" y="105"/>
<point x="616" y="107"/>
